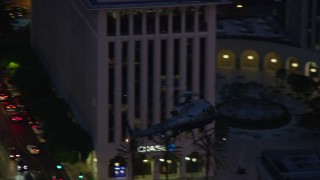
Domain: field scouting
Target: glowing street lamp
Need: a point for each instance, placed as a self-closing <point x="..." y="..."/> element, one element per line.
<point x="225" y="56"/>
<point x="313" y="70"/>
<point x="239" y="6"/>
<point x="273" y="60"/>
<point x="250" y="57"/>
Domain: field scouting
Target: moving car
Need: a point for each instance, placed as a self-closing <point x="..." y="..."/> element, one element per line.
<point x="41" y="139"/>
<point x="33" y="149"/>
<point x="31" y="120"/>
<point x="3" y="97"/>
<point x="13" y="153"/>
<point x="11" y="108"/>
<point x="15" y="117"/>
<point x="19" y="102"/>
<point x="21" y="165"/>
<point x="37" y="129"/>
<point x="56" y="176"/>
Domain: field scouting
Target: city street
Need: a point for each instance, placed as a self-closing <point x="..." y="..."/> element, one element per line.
<point x="19" y="135"/>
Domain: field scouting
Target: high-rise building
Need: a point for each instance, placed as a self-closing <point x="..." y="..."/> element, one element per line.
<point x="303" y="23"/>
<point x="127" y="60"/>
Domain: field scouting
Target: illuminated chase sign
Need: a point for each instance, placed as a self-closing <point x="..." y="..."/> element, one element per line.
<point x="156" y="148"/>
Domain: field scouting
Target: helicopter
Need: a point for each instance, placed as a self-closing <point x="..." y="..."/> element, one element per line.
<point x="186" y="116"/>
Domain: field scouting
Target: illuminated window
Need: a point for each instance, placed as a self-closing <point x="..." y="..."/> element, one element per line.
<point x="142" y="166"/>
<point x="170" y="167"/>
<point x="193" y="163"/>
<point x="295" y="65"/>
<point x="117" y="167"/>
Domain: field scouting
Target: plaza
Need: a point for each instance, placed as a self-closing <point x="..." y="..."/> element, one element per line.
<point x="244" y="146"/>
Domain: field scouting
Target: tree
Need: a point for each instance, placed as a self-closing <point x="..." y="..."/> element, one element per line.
<point x="281" y="75"/>
<point x="172" y="152"/>
<point x="128" y="150"/>
<point x="301" y="84"/>
<point x="213" y="151"/>
<point x="194" y="162"/>
<point x="310" y="120"/>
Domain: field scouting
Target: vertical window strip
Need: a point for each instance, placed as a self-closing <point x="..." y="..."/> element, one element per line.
<point x="163" y="78"/>
<point x="124" y="93"/>
<point x="189" y="64"/>
<point x="150" y="81"/>
<point x="176" y="69"/>
<point x="111" y="24"/>
<point x="176" y="21"/>
<point x="137" y="22"/>
<point x="137" y="77"/>
<point x="111" y="100"/>
<point x="202" y="65"/>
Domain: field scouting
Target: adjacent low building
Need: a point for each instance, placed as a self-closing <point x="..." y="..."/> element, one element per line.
<point x="301" y="164"/>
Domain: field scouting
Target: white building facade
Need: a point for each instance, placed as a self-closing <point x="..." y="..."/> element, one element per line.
<point x="117" y="61"/>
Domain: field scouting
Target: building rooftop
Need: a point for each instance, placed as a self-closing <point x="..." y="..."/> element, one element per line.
<point x="128" y="4"/>
<point x="261" y="28"/>
<point x="292" y="164"/>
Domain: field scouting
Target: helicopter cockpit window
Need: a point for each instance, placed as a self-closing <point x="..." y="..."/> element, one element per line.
<point x="174" y="113"/>
<point x="211" y="109"/>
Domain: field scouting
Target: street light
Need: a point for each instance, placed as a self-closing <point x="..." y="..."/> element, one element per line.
<point x="59" y="166"/>
<point x="80" y="176"/>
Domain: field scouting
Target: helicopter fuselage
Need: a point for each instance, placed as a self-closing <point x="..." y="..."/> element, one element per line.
<point x="186" y="116"/>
